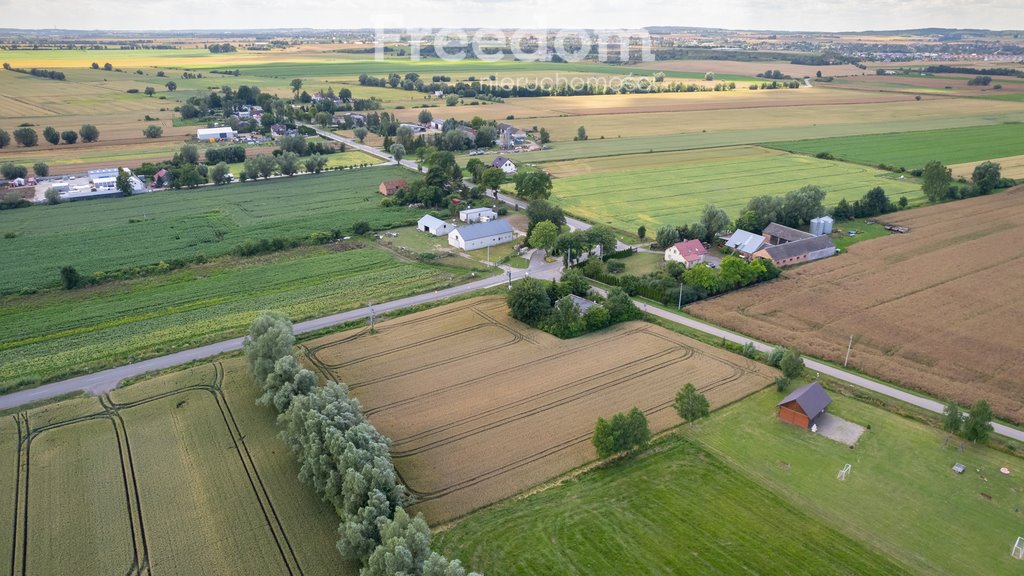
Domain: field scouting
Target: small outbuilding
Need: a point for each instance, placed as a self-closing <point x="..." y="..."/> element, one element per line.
<point x="803" y="405"/>
<point x="473" y="215"/>
<point x="391" y="187"/>
<point x="476" y="236"/>
<point x="435" y="226"/>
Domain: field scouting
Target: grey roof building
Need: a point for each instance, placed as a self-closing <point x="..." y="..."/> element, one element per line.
<point x="806" y="250"/>
<point x="776" y="233"/>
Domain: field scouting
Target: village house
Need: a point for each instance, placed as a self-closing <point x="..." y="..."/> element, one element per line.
<point x="483" y="235"/>
<point x="509" y="136"/>
<point x="435" y="226"/>
<point x="391" y="187"/>
<point x="689" y="253"/>
<point x="504" y="164"/>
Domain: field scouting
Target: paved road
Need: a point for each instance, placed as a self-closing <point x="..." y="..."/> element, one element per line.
<point x="573" y="223"/>
<point x="107" y="380"/>
<point x="371" y="150"/>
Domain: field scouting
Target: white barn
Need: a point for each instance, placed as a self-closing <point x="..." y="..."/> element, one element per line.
<point x="482" y="235"/>
<point x="215" y="134"/>
<point x="434" y="226"/>
<point x="472" y="215"/>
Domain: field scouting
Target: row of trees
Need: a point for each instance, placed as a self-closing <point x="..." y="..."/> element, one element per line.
<point x="11" y="171"/>
<point x="874" y="203"/>
<point x="630" y="431"/>
<point x="28" y="137"/>
<point x="343" y="457"/>
<point x="40" y="72"/>
<point x="975" y="427"/>
<point x="795" y="209"/>
<point x="938" y="184"/>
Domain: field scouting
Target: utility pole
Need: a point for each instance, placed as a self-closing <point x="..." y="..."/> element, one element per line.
<point x="848" y="348"/>
<point x="680" y="305"/>
<point x="370" y="302"/>
<point x="509" y="278"/>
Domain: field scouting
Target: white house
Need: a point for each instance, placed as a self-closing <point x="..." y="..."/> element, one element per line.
<point x="506" y="165"/>
<point x="476" y="236"/>
<point x="216" y="134"/>
<point x="434" y="226"/>
<point x="689" y="253"/>
<point x="473" y="215"/>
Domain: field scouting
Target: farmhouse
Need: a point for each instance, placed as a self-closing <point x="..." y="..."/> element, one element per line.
<point x="434" y="226"/>
<point x="803" y="405"/>
<point x="806" y="250"/>
<point x="471" y="215"/>
<point x="582" y="303"/>
<point x="776" y="234"/>
<point x="504" y="164"/>
<point x="391" y="187"/>
<point x="215" y="134"/>
<point x="689" y="253"/>
<point x="509" y="136"/>
<point x="481" y="235"/>
<point x="745" y="243"/>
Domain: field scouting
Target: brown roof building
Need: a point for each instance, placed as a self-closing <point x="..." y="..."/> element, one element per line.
<point x="391" y="187"/>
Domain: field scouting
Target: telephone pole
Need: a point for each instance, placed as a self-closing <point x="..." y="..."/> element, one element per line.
<point x="848" y="348"/>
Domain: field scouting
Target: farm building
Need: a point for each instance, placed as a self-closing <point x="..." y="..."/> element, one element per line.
<point x="504" y="164"/>
<point x="215" y="134"/>
<point x="776" y="234"/>
<point x="391" y="187"/>
<point x="745" y="243"/>
<point x="582" y="303"/>
<point x="434" y="226"/>
<point x="471" y="215"/>
<point x="804" y="405"/>
<point x="689" y="253"/>
<point x="806" y="250"/>
<point x="476" y="236"/>
<point x="436" y="124"/>
<point x="415" y="128"/>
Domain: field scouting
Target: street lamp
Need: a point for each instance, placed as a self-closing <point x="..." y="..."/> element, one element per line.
<point x="509" y="278"/>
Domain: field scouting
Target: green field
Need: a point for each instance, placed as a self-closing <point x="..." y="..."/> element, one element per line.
<point x="915" y="149"/>
<point x="679" y="510"/>
<point x="178" y="475"/>
<point x="114" y="234"/>
<point x="673" y="188"/>
<point x="55" y="334"/>
<point x="735" y="492"/>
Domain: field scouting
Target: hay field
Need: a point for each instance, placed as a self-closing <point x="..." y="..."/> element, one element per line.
<point x="915" y="149"/>
<point x="1012" y="167"/>
<point x="937" y="310"/>
<point x="481" y="407"/>
<point x="177" y="475"/>
<point x="673" y="187"/>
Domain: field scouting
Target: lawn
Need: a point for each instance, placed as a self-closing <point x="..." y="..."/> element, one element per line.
<point x="183" y="474"/>
<point x="901" y="498"/>
<point x="121" y="233"/>
<point x="673" y="188"/>
<point x="55" y="334"/>
<point x="643" y="263"/>
<point x="915" y="149"/>
<point x="843" y="240"/>
<point x="679" y="509"/>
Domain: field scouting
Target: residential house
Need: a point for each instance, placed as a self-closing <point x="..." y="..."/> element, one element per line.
<point x="582" y="303"/>
<point x="504" y="164"/>
<point x="161" y="178"/>
<point x="776" y="234"/>
<point x="391" y="187"/>
<point x="689" y="253"/>
<point x="215" y="134"/>
<point x="278" y="129"/>
<point x="509" y="136"/>
<point x="471" y="215"/>
<point x="436" y="124"/>
<point x="434" y="226"/>
<point x="745" y="243"/>
<point x="806" y="250"/>
<point x="476" y="236"/>
<point x="802" y="406"/>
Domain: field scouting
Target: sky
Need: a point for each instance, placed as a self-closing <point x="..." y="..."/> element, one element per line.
<point x="811" y="15"/>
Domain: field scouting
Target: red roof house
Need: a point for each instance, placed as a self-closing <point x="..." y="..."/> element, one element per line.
<point x="689" y="253"/>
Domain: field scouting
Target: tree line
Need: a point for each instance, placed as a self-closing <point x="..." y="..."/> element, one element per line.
<point x="39" y="72"/>
<point x="343" y="457"/>
<point x="27" y="136"/>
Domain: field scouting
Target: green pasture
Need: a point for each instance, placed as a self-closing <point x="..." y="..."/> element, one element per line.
<point x="915" y="149"/>
<point x="55" y="334"/>
<point x="677" y="509"/>
<point x="675" y="193"/>
<point x="113" y="234"/>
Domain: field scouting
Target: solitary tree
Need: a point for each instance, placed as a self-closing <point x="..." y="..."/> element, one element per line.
<point x="171" y="86"/>
<point x="544" y="235"/>
<point x="123" y="182"/>
<point x="51" y="135"/>
<point x="952" y="421"/>
<point x="41" y="169"/>
<point x="978" y="424"/>
<point x="296" y="86"/>
<point x="152" y="131"/>
<point x="69" y="278"/>
<point x="581" y="133"/>
<point x="986" y="177"/>
<point x="545" y="136"/>
<point x="936" y="179"/>
<point x="361" y="133"/>
<point x="398" y="151"/>
<point x="425" y="116"/>
<point x="528" y="301"/>
<point x="641" y="232"/>
<point x="791" y="364"/>
<point x="492" y="178"/>
<point x="52" y="196"/>
<point x="26" y="136"/>
<point x="709" y="76"/>
<point x="690" y="404"/>
<point x="150" y="91"/>
<point x="532" y="185"/>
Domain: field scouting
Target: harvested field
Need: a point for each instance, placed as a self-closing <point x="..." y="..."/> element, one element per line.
<point x="750" y="68"/>
<point x="951" y="84"/>
<point x="481" y="407"/>
<point x="936" y="310"/>
<point x="181" y="474"/>
<point x="1012" y="167"/>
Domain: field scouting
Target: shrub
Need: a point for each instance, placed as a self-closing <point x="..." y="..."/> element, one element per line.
<point x="361" y="227"/>
<point x="70" y="278"/>
<point x="615" y="266"/>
